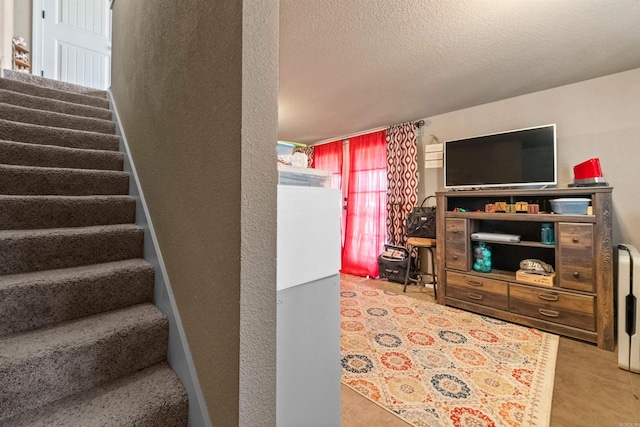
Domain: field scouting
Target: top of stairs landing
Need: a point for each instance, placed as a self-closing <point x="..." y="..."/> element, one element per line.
<point x="53" y="84"/>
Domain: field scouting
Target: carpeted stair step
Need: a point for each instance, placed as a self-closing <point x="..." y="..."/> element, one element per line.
<point x="46" y="104"/>
<point x="45" y="135"/>
<point x="26" y="180"/>
<point x="35" y="212"/>
<point x="59" y="120"/>
<point x="151" y="397"/>
<point x="60" y="95"/>
<point x="23" y="251"/>
<point x="24" y="154"/>
<point x="33" y="300"/>
<point x="49" y="364"/>
<point x="53" y="84"/>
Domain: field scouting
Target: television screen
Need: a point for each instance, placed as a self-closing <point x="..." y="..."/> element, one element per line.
<point x="523" y="157"/>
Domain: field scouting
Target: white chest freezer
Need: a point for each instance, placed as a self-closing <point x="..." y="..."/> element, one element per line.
<point x="308" y="307"/>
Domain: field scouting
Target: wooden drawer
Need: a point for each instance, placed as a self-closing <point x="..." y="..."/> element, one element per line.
<point x="575" y="256"/>
<point x="478" y="290"/>
<point x="456" y="243"/>
<point x="554" y="306"/>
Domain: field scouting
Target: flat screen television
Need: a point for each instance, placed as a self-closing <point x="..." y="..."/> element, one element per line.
<point x="516" y="158"/>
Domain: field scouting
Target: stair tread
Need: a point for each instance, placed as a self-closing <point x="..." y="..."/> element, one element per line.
<point x="23" y="212"/>
<point x="34" y="180"/>
<point x="73" y="199"/>
<point x="85" y="271"/>
<point x="27" y="250"/>
<point x="64" y="149"/>
<point x="37" y="299"/>
<point x="48" y="104"/>
<point x="46" y="169"/>
<point x="152" y="392"/>
<point x="71" y="231"/>
<point x="54" y="119"/>
<point x="47" y="82"/>
<point x="21" y="347"/>
<point x="47" y="135"/>
<point x="45" y="197"/>
<point x="31" y="89"/>
<point x="40" y="155"/>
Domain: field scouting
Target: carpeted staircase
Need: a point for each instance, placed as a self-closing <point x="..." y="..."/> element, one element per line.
<point x="81" y="342"/>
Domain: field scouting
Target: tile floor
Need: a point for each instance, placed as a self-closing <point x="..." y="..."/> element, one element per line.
<point x="589" y="389"/>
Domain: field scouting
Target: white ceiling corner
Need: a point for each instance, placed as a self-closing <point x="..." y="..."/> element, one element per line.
<point x="351" y="65"/>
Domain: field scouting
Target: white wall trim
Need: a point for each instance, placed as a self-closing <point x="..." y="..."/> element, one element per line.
<point x="36" y="38"/>
<point x="178" y="355"/>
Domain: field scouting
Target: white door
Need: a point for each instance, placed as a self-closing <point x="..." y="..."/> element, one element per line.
<point x="74" y="44"/>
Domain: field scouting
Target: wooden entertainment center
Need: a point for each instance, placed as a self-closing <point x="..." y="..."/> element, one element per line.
<point x="579" y="304"/>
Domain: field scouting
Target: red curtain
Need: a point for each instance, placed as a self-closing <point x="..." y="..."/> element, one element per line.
<point x="329" y="157"/>
<point x="365" y="230"/>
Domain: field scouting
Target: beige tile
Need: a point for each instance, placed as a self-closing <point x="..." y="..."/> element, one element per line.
<point x="635" y="387"/>
<point x="586" y="357"/>
<point x="349" y="399"/>
<point x="587" y="397"/>
<point x="368" y="414"/>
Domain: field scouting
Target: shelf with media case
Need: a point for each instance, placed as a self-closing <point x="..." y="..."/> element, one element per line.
<point x="576" y="302"/>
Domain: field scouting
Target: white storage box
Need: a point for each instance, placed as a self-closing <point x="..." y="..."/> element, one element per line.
<point x="570" y="206"/>
<point x="291" y="175"/>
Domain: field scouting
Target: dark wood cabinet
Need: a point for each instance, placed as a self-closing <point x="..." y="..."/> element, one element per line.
<point x="578" y="304"/>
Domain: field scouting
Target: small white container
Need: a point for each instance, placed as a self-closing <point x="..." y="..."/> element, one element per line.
<point x="570" y="206"/>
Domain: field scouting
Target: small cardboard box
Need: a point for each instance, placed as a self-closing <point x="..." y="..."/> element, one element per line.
<point x="535" y="279"/>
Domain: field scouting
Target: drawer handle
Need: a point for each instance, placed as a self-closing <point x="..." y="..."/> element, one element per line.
<point x="455" y="257"/>
<point x="576" y="240"/>
<point x="576" y="275"/>
<point x="475" y="297"/>
<point x="454" y="230"/>
<point x="548" y="297"/>
<point x="548" y="313"/>
<point x="474" y="283"/>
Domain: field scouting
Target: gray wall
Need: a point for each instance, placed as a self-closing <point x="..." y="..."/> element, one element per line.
<point x="6" y="33"/>
<point x="195" y="82"/>
<point x="595" y="118"/>
<point x="23" y="20"/>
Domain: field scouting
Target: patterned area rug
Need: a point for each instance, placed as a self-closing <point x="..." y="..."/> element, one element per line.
<point x="438" y="366"/>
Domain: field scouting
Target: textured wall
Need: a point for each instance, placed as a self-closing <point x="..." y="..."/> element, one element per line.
<point x="594" y="118"/>
<point x="195" y="82"/>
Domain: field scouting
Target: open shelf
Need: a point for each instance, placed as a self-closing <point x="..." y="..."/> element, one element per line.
<point x="520" y="243"/>
<point x="19" y="63"/>
<point x="522" y="217"/>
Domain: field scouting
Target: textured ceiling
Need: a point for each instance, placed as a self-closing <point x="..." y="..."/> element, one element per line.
<point x="351" y="65"/>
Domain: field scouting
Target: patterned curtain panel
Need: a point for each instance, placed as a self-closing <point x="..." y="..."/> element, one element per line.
<point x="309" y="151"/>
<point x="402" y="178"/>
